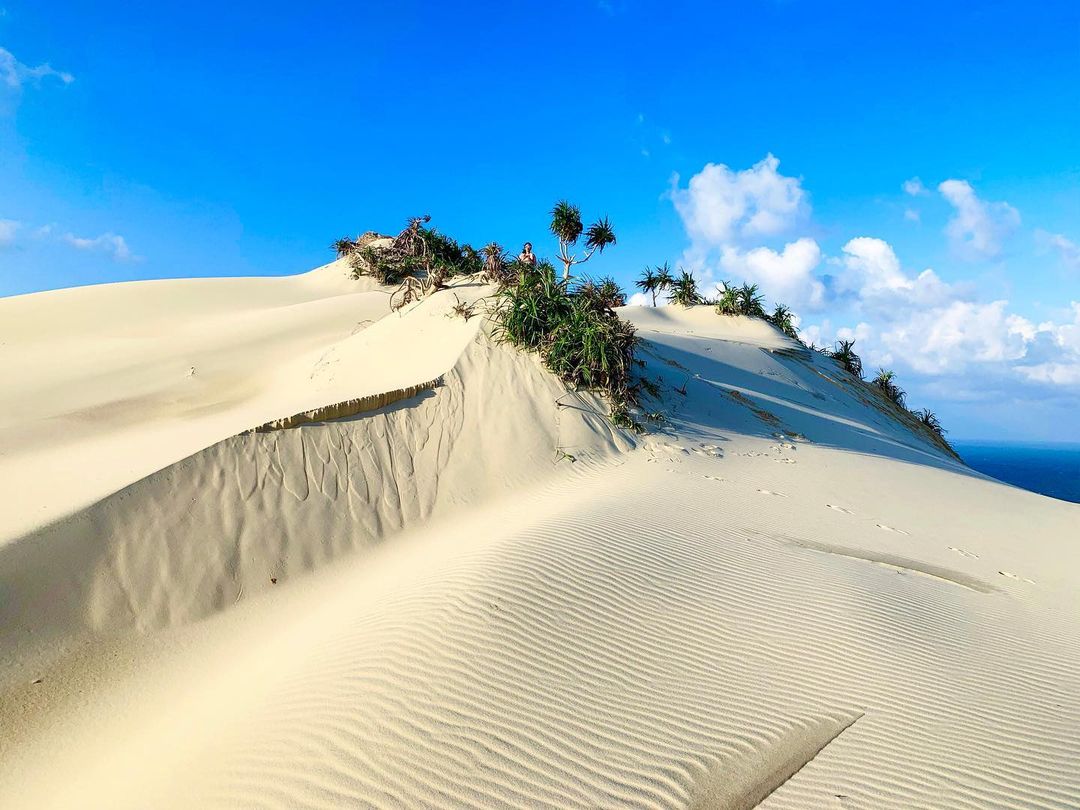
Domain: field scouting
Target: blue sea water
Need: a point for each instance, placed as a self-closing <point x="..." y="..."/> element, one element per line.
<point x="1049" y="469"/>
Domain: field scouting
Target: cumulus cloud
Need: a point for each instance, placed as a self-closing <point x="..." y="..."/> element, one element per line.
<point x="977" y="228"/>
<point x="870" y="272"/>
<point x="8" y="227"/>
<point x="109" y="243"/>
<point x="787" y="275"/>
<point x="1054" y="356"/>
<point x="952" y="337"/>
<point x="908" y="319"/>
<point x="720" y="206"/>
<point x="15" y="74"/>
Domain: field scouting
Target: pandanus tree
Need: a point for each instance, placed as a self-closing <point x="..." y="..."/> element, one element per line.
<point x="885" y="381"/>
<point x="496" y="269"/>
<point x="684" y="290"/>
<point x="744" y="300"/>
<point x="344" y="246"/>
<point x="567" y="226"/>
<point x="844" y="354"/>
<point x="654" y="281"/>
<point x="929" y="419"/>
<point x="784" y="320"/>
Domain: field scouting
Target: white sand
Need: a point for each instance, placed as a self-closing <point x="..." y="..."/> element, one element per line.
<point x="780" y="597"/>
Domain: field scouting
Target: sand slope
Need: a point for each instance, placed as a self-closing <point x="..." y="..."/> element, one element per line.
<point x="780" y="597"/>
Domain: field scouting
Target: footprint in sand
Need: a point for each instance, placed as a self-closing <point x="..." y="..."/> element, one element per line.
<point x="714" y="478"/>
<point x="785" y="460"/>
<point x="770" y="492"/>
<point x="709" y="450"/>
<point x="963" y="553"/>
<point x="890" y="528"/>
<point x="839" y="509"/>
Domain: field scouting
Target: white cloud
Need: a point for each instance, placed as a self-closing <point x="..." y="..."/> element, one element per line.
<point x="786" y="276"/>
<point x="977" y="228"/>
<point x="108" y="243"/>
<point x="720" y="207"/>
<point x="911" y="215"/>
<point x="871" y="273"/>
<point x="914" y="187"/>
<point x="1067" y="250"/>
<point x="950" y="338"/>
<point x="910" y="320"/>
<point x="640" y="299"/>
<point x="8" y="227"/>
<point x="15" y="74"/>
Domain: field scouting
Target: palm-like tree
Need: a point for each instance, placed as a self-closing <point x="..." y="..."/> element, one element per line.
<point x="728" y="302"/>
<point x="664" y="279"/>
<point x="784" y="320"/>
<point x="648" y="283"/>
<point x="494" y="261"/>
<point x="567" y="226"/>
<point x="684" y="290"/>
<point x="344" y="246"/>
<point x="886" y="382"/>
<point x="930" y="420"/>
<point x="751" y="301"/>
<point x="844" y="354"/>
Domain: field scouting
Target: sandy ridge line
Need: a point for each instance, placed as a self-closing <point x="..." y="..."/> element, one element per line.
<point x="350" y="407"/>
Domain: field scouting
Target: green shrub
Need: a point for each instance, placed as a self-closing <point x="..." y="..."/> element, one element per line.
<point x="684" y="290"/>
<point x="929" y="420"/>
<point x="745" y="300"/>
<point x="605" y="293"/>
<point x="844" y="355"/>
<point x="575" y="330"/>
<point x="417" y="251"/>
<point x="344" y="246"/>
<point x="885" y="381"/>
<point x="784" y="320"/>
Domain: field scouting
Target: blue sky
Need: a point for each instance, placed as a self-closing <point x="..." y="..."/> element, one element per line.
<point x="240" y="138"/>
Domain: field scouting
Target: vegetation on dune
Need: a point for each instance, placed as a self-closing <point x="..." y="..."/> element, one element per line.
<point x="605" y="293"/>
<point x="654" y="281"/>
<point x="567" y="226"/>
<point x="930" y="421"/>
<point x="417" y="251"/>
<point x="784" y="320"/>
<point x="575" y="331"/>
<point x="343" y="246"/>
<point x="885" y="381"/>
<point x="844" y="355"/>
<point x="684" y="290"/>
<point x="745" y="300"/>
<point x="495" y="263"/>
<point x="573" y="326"/>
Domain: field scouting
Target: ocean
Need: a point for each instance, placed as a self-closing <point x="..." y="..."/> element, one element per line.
<point x="1049" y="469"/>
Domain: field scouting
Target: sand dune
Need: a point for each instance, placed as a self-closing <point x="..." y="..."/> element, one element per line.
<point x="483" y="594"/>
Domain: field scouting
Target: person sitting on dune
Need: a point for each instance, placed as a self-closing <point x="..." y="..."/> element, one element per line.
<point x="527" y="256"/>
